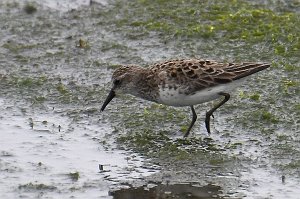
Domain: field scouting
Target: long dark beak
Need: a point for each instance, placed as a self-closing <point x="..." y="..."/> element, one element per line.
<point x="110" y="96"/>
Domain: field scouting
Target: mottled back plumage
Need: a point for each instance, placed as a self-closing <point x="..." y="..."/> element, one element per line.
<point x="197" y="74"/>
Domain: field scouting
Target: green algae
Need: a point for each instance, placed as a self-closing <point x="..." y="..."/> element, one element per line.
<point x="39" y="99"/>
<point x="255" y="96"/>
<point x="219" y="20"/>
<point x="294" y="164"/>
<point x="267" y="116"/>
<point x="162" y="149"/>
<point x="252" y="96"/>
<point x="74" y="175"/>
<point x="233" y="30"/>
<point x="291" y="68"/>
<point x="23" y="83"/>
<point x="39" y="187"/>
<point x="15" y="47"/>
<point x="158" y="144"/>
<point x="30" y="8"/>
<point x="62" y="89"/>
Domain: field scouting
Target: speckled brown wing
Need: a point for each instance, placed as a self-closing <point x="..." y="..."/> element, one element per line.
<point x="193" y="73"/>
<point x="196" y="74"/>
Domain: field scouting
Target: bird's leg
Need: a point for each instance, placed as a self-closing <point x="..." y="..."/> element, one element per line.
<point x="210" y="112"/>
<point x="192" y="123"/>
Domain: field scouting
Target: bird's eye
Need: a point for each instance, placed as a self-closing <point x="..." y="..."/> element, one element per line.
<point x="117" y="82"/>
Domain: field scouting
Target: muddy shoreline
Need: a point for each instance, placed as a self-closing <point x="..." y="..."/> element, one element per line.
<point x="55" y="66"/>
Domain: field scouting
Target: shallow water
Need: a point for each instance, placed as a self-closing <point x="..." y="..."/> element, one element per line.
<point x="44" y="155"/>
<point x="55" y="142"/>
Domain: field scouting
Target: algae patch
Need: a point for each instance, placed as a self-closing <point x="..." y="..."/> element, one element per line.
<point x="37" y="187"/>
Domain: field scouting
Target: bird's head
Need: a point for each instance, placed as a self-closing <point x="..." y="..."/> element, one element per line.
<point x="124" y="80"/>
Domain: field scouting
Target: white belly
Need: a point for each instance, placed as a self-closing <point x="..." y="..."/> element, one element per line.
<point x="172" y="97"/>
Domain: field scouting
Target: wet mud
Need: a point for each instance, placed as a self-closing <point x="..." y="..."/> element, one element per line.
<point x="56" y="60"/>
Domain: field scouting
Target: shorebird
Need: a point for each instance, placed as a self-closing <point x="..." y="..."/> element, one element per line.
<point x="182" y="82"/>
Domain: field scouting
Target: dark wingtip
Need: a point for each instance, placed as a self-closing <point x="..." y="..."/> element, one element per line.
<point x="259" y="67"/>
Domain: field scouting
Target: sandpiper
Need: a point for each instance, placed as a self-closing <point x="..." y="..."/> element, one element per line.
<point x="182" y="82"/>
